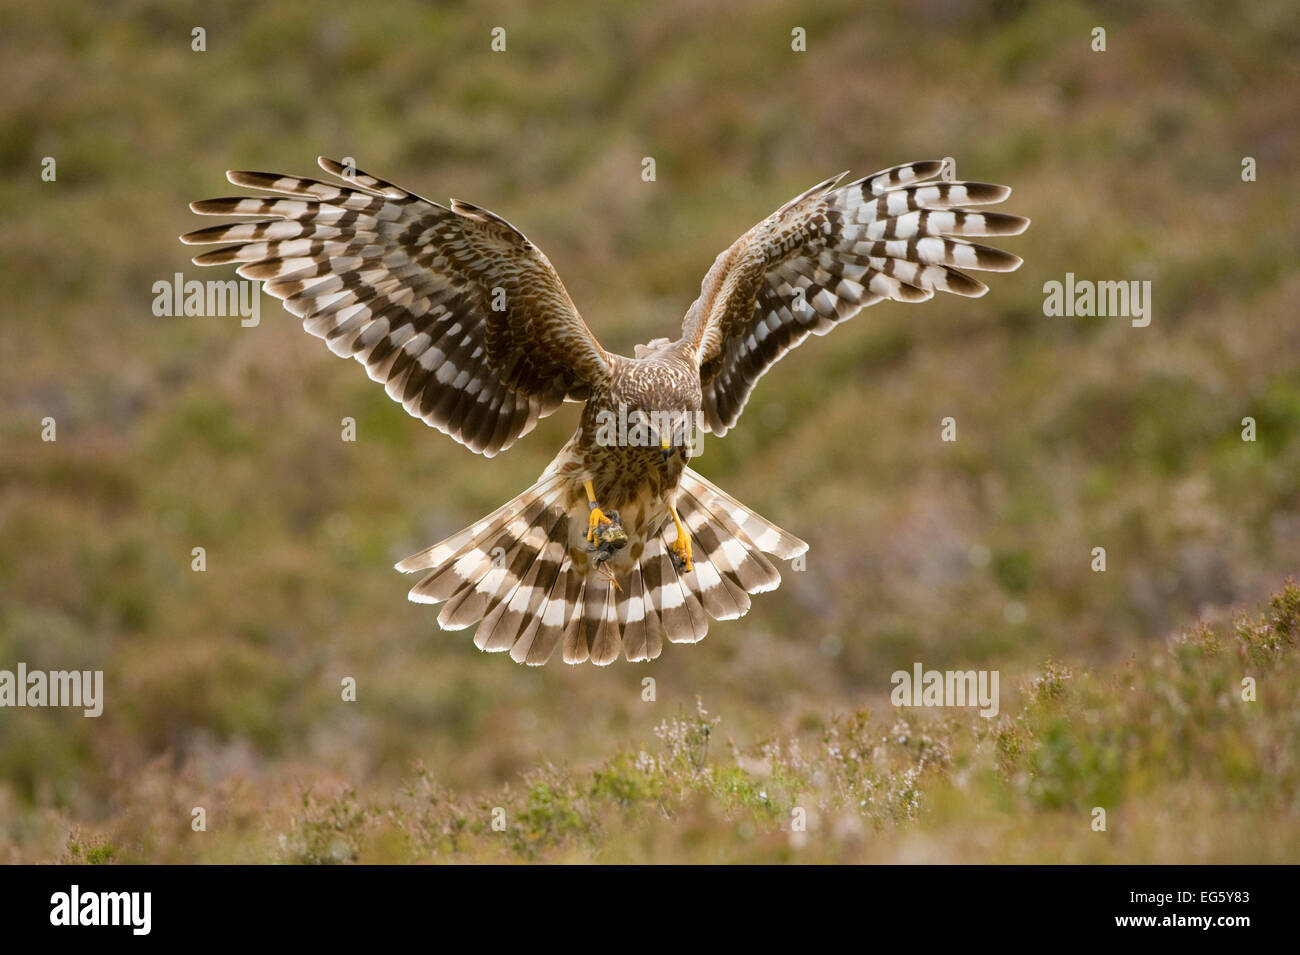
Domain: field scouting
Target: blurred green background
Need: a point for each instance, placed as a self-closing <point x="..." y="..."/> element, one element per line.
<point x="223" y="686"/>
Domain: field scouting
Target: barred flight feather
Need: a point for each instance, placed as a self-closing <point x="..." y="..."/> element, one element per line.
<point x="826" y="255"/>
<point x="407" y="287"/>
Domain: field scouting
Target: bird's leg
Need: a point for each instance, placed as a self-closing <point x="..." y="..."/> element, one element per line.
<point x="681" y="549"/>
<point x="604" y="534"/>
<point x="598" y="518"/>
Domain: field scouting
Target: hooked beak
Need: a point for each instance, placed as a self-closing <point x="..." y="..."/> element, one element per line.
<point x="666" y="450"/>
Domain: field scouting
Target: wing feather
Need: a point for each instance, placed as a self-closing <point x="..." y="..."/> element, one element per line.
<point x="827" y="254"/>
<point x="451" y="308"/>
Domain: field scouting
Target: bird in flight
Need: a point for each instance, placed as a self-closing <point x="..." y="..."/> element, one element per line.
<point x="619" y="544"/>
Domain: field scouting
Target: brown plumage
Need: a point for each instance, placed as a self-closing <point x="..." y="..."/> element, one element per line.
<point x="619" y="544"/>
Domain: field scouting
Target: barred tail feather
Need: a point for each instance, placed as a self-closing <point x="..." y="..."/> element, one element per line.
<point x="435" y="557"/>
<point x="642" y="631"/>
<point x="516" y="575"/>
<point x="740" y="521"/>
<point x="677" y="597"/>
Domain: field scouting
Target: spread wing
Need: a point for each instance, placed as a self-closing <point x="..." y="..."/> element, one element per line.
<point x="827" y="254"/>
<point x="461" y="318"/>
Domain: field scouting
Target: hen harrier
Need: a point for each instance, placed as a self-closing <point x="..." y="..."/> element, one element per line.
<point x="619" y="544"/>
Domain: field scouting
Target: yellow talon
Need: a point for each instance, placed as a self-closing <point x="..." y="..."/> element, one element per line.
<point x="605" y="533"/>
<point x="681" y="548"/>
<point x="682" y="554"/>
<point x="595" y="523"/>
<point x="597" y="518"/>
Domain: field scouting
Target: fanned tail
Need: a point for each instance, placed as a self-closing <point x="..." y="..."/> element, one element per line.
<point x="522" y="574"/>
